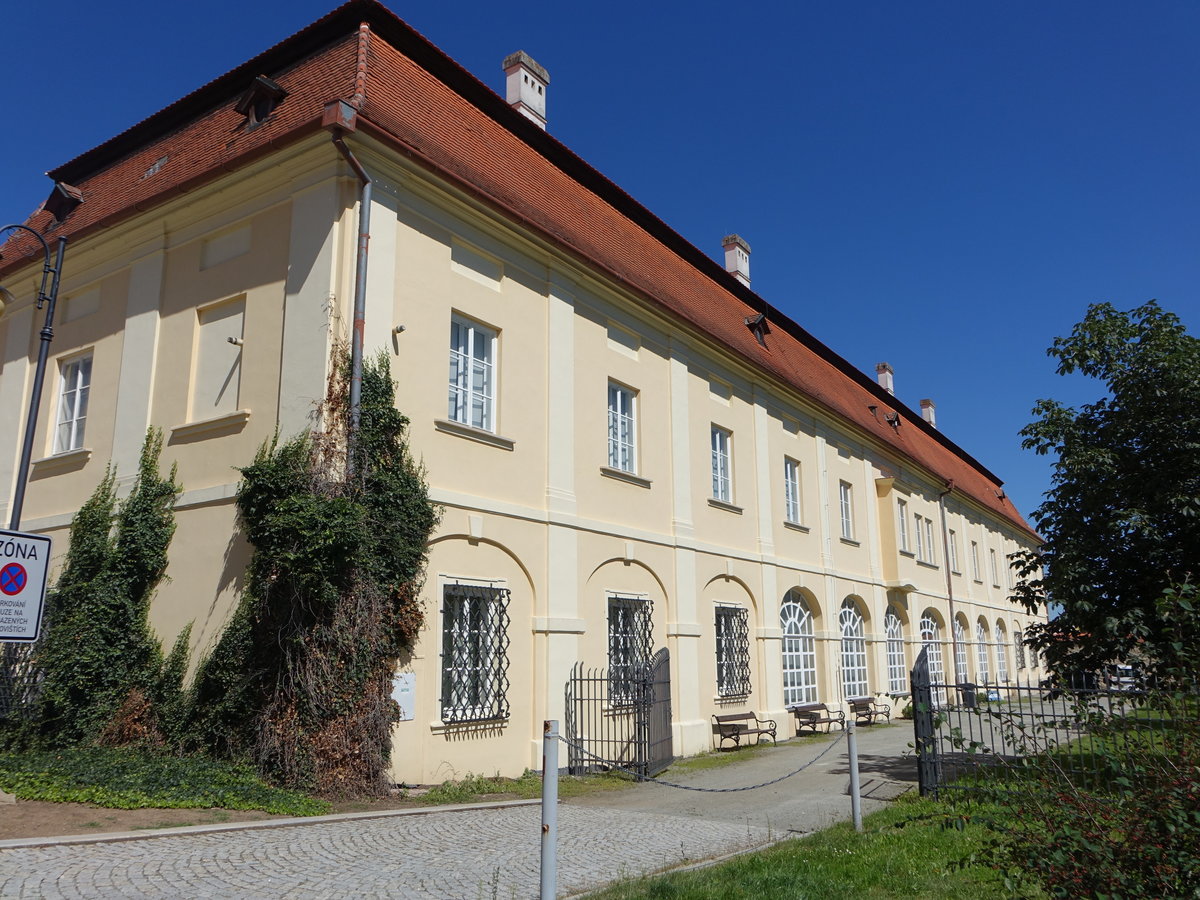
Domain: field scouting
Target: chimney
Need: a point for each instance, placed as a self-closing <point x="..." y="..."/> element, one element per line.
<point x="883" y="374"/>
<point x="928" y="412"/>
<point x="526" y="86"/>
<point x="737" y="257"/>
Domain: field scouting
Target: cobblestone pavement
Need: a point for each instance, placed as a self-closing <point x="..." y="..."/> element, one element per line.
<point x="444" y="855"/>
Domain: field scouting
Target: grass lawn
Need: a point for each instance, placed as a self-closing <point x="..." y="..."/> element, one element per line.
<point x="911" y="849"/>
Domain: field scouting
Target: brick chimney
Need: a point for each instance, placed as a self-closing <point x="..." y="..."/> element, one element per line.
<point x="883" y="374"/>
<point x="928" y="412"/>
<point x="526" y="84"/>
<point x="737" y="257"/>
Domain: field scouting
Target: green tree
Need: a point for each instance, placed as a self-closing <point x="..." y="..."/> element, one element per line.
<point x="1121" y="522"/>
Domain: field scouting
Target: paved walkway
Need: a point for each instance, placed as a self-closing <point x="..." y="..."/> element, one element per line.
<point x="464" y="853"/>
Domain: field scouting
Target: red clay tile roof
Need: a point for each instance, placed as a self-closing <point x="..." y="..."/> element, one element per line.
<point x="422" y="102"/>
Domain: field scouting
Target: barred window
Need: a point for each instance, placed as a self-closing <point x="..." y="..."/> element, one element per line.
<point x="733" y="651"/>
<point x="1001" y="653"/>
<point x="1019" y="648"/>
<point x="630" y="645"/>
<point x="474" y="653"/>
<point x="960" y="652"/>
<point x="854" y="651"/>
<point x="897" y="671"/>
<point x="799" y="651"/>
<point x="981" y="651"/>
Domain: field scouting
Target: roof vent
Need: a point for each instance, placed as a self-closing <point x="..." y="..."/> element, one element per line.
<point x="737" y="257"/>
<point x="526" y="86"/>
<point x="758" y="325"/>
<point x="259" y="101"/>
<point x="883" y="374"/>
<point x="62" y="200"/>
<point x="928" y="412"/>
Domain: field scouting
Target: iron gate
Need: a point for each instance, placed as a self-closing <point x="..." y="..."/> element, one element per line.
<point x="620" y="717"/>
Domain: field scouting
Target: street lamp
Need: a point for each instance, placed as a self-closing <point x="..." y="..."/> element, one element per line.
<point x="48" y="294"/>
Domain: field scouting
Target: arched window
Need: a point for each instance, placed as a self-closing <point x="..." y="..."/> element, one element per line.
<point x="897" y="671"/>
<point x="799" y="651"/>
<point x="1001" y="652"/>
<point x="981" y="651"/>
<point x="960" y="652"/>
<point x="854" y="651"/>
<point x="931" y="643"/>
<point x="1019" y="648"/>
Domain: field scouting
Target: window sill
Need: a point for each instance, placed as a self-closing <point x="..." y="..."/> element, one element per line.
<point x="226" y="423"/>
<point x="721" y="504"/>
<point x="471" y="433"/>
<point x="67" y="461"/>
<point x="926" y="565"/>
<point x="723" y="699"/>
<point x="956" y="572"/>
<point x="627" y="477"/>
<point x="851" y="541"/>
<point x="796" y="526"/>
<point x="440" y="727"/>
<point x="908" y="553"/>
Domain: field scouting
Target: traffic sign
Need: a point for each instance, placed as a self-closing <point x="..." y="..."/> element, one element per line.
<point x="24" y="563"/>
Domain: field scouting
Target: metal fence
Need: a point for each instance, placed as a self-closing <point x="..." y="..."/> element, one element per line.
<point x="963" y="729"/>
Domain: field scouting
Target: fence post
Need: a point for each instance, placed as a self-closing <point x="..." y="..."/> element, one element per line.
<point x="855" y="788"/>
<point x="926" y="744"/>
<point x="549" y="809"/>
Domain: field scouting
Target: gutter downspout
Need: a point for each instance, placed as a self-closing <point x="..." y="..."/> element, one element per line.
<point x="360" y="294"/>
<point x="949" y="578"/>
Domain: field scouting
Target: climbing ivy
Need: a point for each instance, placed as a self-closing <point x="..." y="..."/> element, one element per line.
<point x="300" y="682"/>
<point x="103" y="673"/>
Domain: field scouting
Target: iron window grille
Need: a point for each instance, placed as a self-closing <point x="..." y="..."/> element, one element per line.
<point x="475" y="646"/>
<point x="630" y="646"/>
<point x="733" y="651"/>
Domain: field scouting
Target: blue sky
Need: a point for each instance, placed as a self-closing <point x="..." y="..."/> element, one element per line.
<point x="944" y="186"/>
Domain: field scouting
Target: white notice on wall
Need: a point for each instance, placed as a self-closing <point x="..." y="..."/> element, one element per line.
<point x="404" y="692"/>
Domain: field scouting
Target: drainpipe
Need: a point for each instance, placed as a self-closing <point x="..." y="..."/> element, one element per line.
<point x="340" y="119"/>
<point x="949" y="578"/>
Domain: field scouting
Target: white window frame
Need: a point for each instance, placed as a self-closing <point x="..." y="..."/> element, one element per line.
<point x="981" y="652"/>
<point x="1001" y="652"/>
<point x="976" y="572"/>
<point x="953" y="542"/>
<point x="931" y="642"/>
<point x="961" y="673"/>
<point x="722" y="464"/>
<point x="622" y="428"/>
<point x="846" y="507"/>
<point x="791" y="491"/>
<point x="897" y="668"/>
<point x="902" y="525"/>
<point x="799" y="651"/>
<point x="852" y="628"/>
<point x="473" y="379"/>
<point x="995" y="567"/>
<point x="920" y="536"/>
<point x="930" y="546"/>
<point x="74" y="389"/>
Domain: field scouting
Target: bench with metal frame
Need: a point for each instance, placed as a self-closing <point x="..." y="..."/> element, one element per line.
<point x="866" y="710"/>
<point x="734" y="726"/>
<point x="810" y="715"/>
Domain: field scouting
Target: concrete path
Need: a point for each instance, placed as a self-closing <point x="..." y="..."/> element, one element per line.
<point x="469" y="852"/>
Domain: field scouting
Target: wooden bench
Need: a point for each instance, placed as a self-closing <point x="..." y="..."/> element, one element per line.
<point x="810" y="715"/>
<point x="734" y="726"/>
<point x="865" y="710"/>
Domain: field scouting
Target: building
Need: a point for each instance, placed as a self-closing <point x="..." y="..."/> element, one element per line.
<point x="633" y="449"/>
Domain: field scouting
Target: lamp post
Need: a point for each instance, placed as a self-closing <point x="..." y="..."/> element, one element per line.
<point x="47" y="294"/>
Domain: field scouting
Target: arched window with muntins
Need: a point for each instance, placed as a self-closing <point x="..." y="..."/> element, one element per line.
<point x="960" y="652"/>
<point x="1001" y="652"/>
<point x="931" y="643"/>
<point x="854" y="651"/>
<point x="897" y="671"/>
<point x="799" y="651"/>
<point x="981" y="651"/>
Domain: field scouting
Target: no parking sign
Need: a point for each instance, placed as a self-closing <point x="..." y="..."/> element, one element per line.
<point x="24" y="562"/>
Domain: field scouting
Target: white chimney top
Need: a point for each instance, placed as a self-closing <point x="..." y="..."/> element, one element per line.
<point x="737" y="257"/>
<point x="883" y="374"/>
<point x="928" y="412"/>
<point x="526" y="86"/>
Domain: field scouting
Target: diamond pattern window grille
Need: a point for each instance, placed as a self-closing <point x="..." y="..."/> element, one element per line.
<point x="733" y="651"/>
<point x="475" y="646"/>
<point x="630" y="646"/>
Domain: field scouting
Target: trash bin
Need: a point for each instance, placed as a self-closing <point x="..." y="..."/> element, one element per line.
<point x="967" y="691"/>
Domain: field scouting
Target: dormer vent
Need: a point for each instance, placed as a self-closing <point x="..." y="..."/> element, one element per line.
<point x="758" y="325"/>
<point x="883" y="374"/>
<point x="62" y="200"/>
<point x="259" y="101"/>
<point x="737" y="257"/>
<point x="525" y="86"/>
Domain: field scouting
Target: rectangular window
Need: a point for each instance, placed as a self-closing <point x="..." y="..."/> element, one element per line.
<point x="474" y="653"/>
<point x="995" y="568"/>
<point x="75" y="384"/>
<point x="975" y="573"/>
<point x="930" y="546"/>
<point x="791" y="490"/>
<point x="630" y="646"/>
<point x="846" y="504"/>
<point x="472" y="374"/>
<point x="920" y="536"/>
<point x="902" y="524"/>
<point x="733" y="651"/>
<point x="953" y="551"/>
<point x="722" y="480"/>
<point x="217" y="377"/>
<point x="622" y="425"/>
